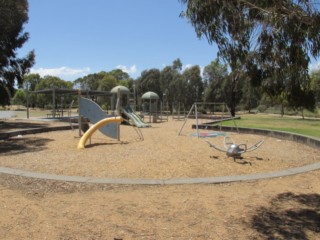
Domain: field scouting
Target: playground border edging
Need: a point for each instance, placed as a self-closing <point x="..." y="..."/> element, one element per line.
<point x="313" y="142"/>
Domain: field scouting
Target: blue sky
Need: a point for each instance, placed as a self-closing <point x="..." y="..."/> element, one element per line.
<point x="73" y="38"/>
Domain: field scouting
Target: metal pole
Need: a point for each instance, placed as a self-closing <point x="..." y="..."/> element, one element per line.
<point x="196" y="109"/>
<point x="53" y="103"/>
<point x="79" y="117"/>
<point x="185" y="120"/>
<point x="27" y="101"/>
<point x="118" y="112"/>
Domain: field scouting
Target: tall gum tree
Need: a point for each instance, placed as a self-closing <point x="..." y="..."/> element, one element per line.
<point x="270" y="40"/>
<point x="14" y="14"/>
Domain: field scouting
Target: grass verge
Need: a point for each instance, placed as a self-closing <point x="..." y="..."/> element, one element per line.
<point x="309" y="127"/>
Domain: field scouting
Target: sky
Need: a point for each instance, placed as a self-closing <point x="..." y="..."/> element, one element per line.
<point x="74" y="38"/>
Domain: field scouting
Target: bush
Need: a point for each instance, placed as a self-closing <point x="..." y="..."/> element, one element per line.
<point x="105" y="106"/>
<point x="262" y="108"/>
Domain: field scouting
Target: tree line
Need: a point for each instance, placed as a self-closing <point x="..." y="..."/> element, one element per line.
<point x="174" y="85"/>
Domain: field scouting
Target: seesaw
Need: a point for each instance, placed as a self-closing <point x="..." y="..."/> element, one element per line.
<point x="235" y="150"/>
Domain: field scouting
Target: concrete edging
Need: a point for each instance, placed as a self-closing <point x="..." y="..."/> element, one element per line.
<point x="313" y="142"/>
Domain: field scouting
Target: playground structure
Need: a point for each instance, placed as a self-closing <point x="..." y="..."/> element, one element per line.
<point x="178" y="111"/>
<point x="99" y="125"/>
<point x="235" y="150"/>
<point x="108" y="124"/>
<point x="92" y="111"/>
<point x="136" y="120"/>
<point x="150" y="105"/>
<point x="225" y="115"/>
<point x="164" y="112"/>
<point x="120" y="105"/>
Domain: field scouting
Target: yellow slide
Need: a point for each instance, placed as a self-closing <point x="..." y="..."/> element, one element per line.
<point x="91" y="130"/>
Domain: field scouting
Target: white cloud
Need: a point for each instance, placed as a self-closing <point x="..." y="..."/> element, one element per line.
<point x="65" y="73"/>
<point x="186" y="66"/>
<point x="130" y="70"/>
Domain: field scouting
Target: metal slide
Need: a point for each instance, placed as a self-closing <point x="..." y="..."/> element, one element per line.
<point x="137" y="121"/>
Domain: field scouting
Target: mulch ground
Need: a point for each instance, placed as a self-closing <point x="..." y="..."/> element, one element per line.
<point x="281" y="208"/>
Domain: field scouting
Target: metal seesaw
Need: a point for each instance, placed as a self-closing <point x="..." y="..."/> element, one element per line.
<point x="235" y="150"/>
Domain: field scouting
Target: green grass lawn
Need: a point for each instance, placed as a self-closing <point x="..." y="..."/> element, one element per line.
<point x="310" y="127"/>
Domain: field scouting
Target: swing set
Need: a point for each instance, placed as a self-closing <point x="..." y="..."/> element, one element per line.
<point x="225" y="114"/>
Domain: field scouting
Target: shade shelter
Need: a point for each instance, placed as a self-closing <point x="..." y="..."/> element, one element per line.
<point x="119" y="97"/>
<point x="152" y="98"/>
<point x="63" y="91"/>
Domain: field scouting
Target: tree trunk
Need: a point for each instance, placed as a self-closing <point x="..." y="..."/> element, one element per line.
<point x="302" y="113"/>
<point x="233" y="104"/>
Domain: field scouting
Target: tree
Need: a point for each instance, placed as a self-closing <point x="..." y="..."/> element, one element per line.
<point x="49" y="82"/>
<point x="214" y="75"/>
<point x="172" y="84"/>
<point x="32" y="80"/>
<point x="250" y="95"/>
<point x="29" y="85"/>
<point x="14" y="14"/>
<point x="194" y="85"/>
<point x="149" y="81"/>
<point x="119" y="74"/>
<point x="90" y="82"/>
<point x="19" y="98"/>
<point x="315" y="84"/>
<point x="177" y="64"/>
<point x="267" y="39"/>
<point x="107" y="83"/>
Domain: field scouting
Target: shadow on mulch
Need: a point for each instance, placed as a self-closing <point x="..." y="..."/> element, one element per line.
<point x="9" y="126"/>
<point x="291" y="216"/>
<point x="13" y="146"/>
<point x="33" y="187"/>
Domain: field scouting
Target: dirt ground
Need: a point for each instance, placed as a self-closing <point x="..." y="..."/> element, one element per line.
<point x="280" y="208"/>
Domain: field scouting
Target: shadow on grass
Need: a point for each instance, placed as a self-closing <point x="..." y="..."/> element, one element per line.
<point x="290" y="216"/>
<point x="13" y="146"/>
<point x="9" y="126"/>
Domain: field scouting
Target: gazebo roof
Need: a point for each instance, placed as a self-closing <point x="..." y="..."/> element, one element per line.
<point x="123" y="90"/>
<point x="150" y="95"/>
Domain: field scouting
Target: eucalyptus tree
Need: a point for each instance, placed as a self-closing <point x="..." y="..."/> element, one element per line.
<point x="19" y="98"/>
<point x="123" y="78"/>
<point x="14" y="14"/>
<point x="149" y="81"/>
<point x="177" y="65"/>
<point x="167" y="82"/>
<point x="107" y="83"/>
<point x="29" y="85"/>
<point x="90" y="82"/>
<point x="269" y="39"/>
<point x="172" y="85"/>
<point x="315" y="84"/>
<point x="31" y="81"/>
<point x="250" y="95"/>
<point x="194" y="85"/>
<point x="119" y="74"/>
<point x="214" y="75"/>
<point x="49" y="82"/>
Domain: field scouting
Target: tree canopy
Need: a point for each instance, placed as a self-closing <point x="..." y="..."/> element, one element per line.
<point x="270" y="40"/>
<point x="14" y="14"/>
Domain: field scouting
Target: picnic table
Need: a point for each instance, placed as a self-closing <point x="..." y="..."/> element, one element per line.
<point x="55" y="114"/>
